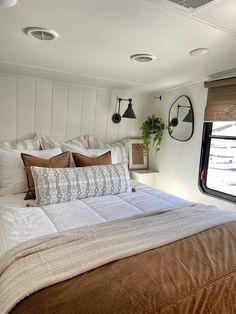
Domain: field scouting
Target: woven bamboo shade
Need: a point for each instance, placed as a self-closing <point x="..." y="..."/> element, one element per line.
<point x="221" y="100"/>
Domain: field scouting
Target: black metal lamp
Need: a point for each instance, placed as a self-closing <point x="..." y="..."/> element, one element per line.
<point x="188" y="118"/>
<point x="129" y="112"/>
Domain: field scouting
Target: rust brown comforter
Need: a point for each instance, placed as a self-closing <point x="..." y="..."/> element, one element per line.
<point x="193" y="275"/>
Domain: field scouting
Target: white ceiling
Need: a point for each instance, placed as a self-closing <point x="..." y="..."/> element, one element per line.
<point x="98" y="36"/>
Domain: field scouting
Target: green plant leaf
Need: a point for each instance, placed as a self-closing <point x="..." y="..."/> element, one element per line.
<point x="152" y="126"/>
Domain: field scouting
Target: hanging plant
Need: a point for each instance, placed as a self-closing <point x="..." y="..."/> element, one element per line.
<point x="152" y="126"/>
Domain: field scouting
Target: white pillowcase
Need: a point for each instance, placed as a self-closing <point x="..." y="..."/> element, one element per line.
<point x="123" y="146"/>
<point x="29" y="144"/>
<point x="48" y="142"/>
<point x="13" y="179"/>
<point x="116" y="156"/>
<point x="94" y="142"/>
<point x="89" y="142"/>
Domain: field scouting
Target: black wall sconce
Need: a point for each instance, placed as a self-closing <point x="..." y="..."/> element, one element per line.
<point x="181" y="119"/>
<point x="129" y="112"/>
<point x="188" y="118"/>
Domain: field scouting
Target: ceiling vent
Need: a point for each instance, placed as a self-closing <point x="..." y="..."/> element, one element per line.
<point x="191" y="4"/>
<point x="41" y="33"/>
<point x="143" y="57"/>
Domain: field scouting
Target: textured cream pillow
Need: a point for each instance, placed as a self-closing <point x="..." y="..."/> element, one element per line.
<point x="48" y="142"/>
<point x="116" y="156"/>
<point x="28" y="144"/>
<point x="89" y="142"/>
<point x="123" y="146"/>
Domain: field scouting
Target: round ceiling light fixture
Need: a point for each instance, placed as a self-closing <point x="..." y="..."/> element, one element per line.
<point x="41" y="33"/>
<point x="199" y="52"/>
<point x="7" y="3"/>
<point x="143" y="57"/>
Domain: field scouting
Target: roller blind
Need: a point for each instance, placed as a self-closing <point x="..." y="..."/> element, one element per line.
<point x="221" y="100"/>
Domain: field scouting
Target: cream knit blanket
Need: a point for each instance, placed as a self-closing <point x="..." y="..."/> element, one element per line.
<point x="47" y="260"/>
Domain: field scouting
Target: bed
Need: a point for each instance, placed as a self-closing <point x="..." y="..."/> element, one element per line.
<point x="144" y="251"/>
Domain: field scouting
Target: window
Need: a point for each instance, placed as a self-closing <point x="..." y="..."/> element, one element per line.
<point x="217" y="175"/>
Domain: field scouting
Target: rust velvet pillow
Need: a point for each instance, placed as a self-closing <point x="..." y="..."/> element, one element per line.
<point x="84" y="161"/>
<point x="59" y="161"/>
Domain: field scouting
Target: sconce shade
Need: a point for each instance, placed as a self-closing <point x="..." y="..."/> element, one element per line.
<point x="189" y="116"/>
<point x="129" y="113"/>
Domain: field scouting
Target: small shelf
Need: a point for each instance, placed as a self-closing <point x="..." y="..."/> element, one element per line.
<point x="146" y="176"/>
<point x="145" y="171"/>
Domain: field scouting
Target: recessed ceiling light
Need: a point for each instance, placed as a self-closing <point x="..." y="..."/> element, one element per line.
<point x="199" y="52"/>
<point x="7" y="3"/>
<point x="143" y="57"/>
<point x="41" y="33"/>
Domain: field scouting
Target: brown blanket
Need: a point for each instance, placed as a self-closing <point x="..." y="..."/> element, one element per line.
<point x="194" y="275"/>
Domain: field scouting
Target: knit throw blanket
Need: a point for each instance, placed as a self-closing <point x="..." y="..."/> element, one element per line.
<point x="44" y="261"/>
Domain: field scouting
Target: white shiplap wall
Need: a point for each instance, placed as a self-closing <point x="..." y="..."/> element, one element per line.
<point x="64" y="110"/>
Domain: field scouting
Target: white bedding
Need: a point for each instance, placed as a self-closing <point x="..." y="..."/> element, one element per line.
<point x="19" y="223"/>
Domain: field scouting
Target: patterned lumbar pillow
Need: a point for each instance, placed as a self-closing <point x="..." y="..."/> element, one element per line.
<point x="56" y="185"/>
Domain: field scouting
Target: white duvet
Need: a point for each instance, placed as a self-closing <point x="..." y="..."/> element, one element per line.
<point x="19" y="223"/>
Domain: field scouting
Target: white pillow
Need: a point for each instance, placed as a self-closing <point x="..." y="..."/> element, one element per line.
<point x="123" y="146"/>
<point x="89" y="142"/>
<point x="48" y="142"/>
<point x="29" y="144"/>
<point x="13" y="179"/>
<point x="115" y="152"/>
<point x="94" y="142"/>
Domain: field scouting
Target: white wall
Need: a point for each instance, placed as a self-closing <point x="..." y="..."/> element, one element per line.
<point x="178" y="162"/>
<point x="64" y="110"/>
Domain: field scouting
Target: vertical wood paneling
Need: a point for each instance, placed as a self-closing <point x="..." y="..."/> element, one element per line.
<point x="112" y="128"/>
<point x="140" y="109"/>
<point x="88" y="110"/>
<point x="74" y="118"/>
<point x="102" y="114"/>
<point x="59" y="111"/>
<point x="125" y="124"/>
<point x="8" y="108"/>
<point x="26" y="108"/>
<point x="43" y="107"/>
<point x="64" y="111"/>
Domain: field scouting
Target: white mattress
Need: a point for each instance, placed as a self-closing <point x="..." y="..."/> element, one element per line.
<point x="19" y="223"/>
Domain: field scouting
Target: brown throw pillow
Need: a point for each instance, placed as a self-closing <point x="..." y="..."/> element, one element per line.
<point x="59" y="161"/>
<point x="84" y="161"/>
